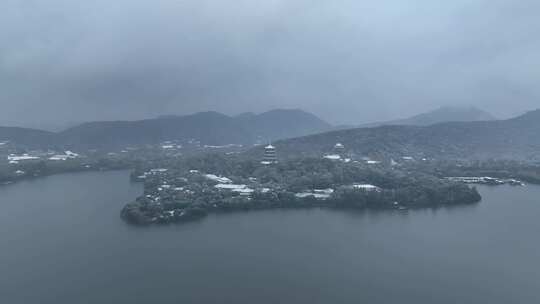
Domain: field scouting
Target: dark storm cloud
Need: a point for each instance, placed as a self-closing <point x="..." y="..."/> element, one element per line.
<point x="347" y="61"/>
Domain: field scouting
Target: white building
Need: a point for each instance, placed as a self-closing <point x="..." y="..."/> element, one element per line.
<point x="366" y="187"/>
<point x="339" y="148"/>
<point x="219" y="179"/>
<point x="332" y="157"/>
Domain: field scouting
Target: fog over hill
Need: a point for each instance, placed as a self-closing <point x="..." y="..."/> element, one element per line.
<point x="27" y="137"/>
<point x="440" y="115"/>
<point x="211" y="128"/>
<point x="515" y="138"/>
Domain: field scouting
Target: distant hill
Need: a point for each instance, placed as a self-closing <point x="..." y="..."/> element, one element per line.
<point x="440" y="115"/>
<point x="27" y="137"/>
<point x="207" y="127"/>
<point x="210" y="128"/>
<point x="515" y="138"/>
<point x="278" y="124"/>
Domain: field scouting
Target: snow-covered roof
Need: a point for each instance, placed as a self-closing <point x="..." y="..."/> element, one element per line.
<point x="242" y="189"/>
<point x="372" y="162"/>
<point x="59" y="157"/>
<point x="324" y="191"/>
<point x="13" y="157"/>
<point x="230" y="186"/>
<point x="366" y="187"/>
<point x="219" y="179"/>
<point x="65" y="156"/>
<point x="311" y="194"/>
<point x="222" y="146"/>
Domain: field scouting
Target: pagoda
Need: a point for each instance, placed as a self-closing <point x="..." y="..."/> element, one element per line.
<point x="269" y="155"/>
<point x="339" y="148"/>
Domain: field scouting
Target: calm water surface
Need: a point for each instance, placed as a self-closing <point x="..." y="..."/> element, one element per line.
<point x="62" y="241"/>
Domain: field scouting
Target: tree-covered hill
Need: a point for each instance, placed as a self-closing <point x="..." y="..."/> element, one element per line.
<point x="515" y="138"/>
<point x="27" y="137"/>
<point x="440" y="115"/>
<point x="208" y="128"/>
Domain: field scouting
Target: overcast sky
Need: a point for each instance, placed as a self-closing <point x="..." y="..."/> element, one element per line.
<point x="349" y="61"/>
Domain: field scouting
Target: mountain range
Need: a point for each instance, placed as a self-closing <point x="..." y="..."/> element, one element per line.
<point x="515" y="138"/>
<point x="210" y="128"/>
<point x="471" y="134"/>
<point x="439" y="115"/>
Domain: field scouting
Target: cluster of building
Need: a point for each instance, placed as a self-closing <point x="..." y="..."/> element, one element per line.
<point x="339" y="153"/>
<point x="206" y="190"/>
<point x="17" y="158"/>
<point x="323" y="194"/>
<point x="320" y="194"/>
<point x="485" y="180"/>
<point x="195" y="144"/>
<point x="169" y="193"/>
<point x="169" y="145"/>
<point x="151" y="172"/>
<point x="67" y="155"/>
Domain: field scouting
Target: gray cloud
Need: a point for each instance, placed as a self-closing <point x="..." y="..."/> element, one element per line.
<point x="347" y="61"/>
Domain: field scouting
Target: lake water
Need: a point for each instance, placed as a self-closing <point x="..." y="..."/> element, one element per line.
<point x="62" y="241"/>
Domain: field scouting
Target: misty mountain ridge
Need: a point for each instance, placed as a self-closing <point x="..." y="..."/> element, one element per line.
<point x="212" y="128"/>
<point x="26" y="136"/>
<point x="439" y="115"/>
<point x="515" y="138"/>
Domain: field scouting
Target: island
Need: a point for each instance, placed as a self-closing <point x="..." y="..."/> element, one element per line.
<point x="190" y="188"/>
